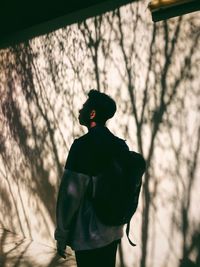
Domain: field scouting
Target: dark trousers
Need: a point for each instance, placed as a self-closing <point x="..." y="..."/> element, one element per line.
<point x="99" y="257"/>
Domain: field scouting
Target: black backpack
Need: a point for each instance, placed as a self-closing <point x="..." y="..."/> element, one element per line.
<point x="116" y="189"/>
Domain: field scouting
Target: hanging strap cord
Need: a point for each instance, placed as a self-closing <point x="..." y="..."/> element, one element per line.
<point x="127" y="233"/>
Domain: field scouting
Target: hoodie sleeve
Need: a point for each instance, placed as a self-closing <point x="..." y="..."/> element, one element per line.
<point x="71" y="191"/>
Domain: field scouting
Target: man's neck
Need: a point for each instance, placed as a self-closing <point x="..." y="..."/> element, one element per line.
<point x="92" y="124"/>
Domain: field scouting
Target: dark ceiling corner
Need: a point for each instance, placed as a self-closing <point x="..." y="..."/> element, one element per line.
<point x="22" y="20"/>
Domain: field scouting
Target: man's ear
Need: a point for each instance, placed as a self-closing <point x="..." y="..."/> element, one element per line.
<point x="92" y="114"/>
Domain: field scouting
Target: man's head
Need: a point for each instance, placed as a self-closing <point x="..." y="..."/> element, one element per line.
<point x="98" y="108"/>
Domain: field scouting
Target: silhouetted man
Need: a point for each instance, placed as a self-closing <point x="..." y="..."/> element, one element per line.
<point x="94" y="243"/>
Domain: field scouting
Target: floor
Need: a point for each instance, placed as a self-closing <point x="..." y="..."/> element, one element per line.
<point x="16" y="251"/>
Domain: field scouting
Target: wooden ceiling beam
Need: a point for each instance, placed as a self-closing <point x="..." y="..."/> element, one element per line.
<point x="166" y="9"/>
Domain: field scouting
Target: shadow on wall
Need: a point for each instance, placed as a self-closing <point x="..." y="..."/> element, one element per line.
<point x="188" y="263"/>
<point x="16" y="252"/>
<point x="29" y="163"/>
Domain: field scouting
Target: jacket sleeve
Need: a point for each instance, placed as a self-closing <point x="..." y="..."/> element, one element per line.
<point x="71" y="191"/>
<point x="72" y="159"/>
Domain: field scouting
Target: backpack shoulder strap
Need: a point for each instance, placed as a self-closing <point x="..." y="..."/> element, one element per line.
<point x="127" y="233"/>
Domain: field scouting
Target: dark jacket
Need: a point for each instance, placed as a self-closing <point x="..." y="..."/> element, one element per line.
<point x="77" y="224"/>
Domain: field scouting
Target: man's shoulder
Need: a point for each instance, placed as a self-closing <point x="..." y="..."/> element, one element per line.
<point x="121" y="143"/>
<point x="100" y="134"/>
<point x="82" y="137"/>
<point x="78" y="141"/>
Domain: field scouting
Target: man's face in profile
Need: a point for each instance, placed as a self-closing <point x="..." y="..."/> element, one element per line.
<point x="84" y="114"/>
